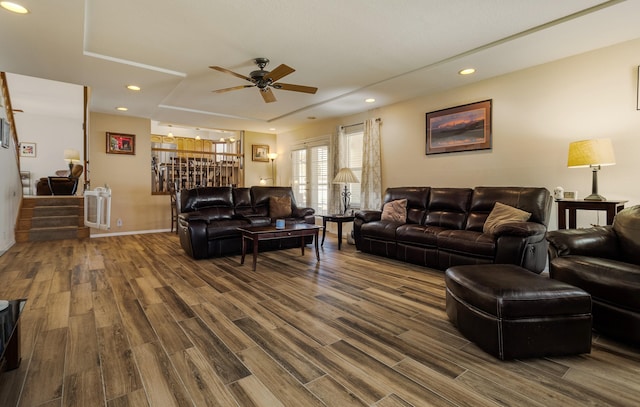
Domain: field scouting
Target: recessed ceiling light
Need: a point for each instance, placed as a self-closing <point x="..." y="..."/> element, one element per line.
<point x="133" y="87"/>
<point x="467" y="71"/>
<point x="122" y="108"/>
<point x="311" y="117"/>
<point x="370" y="100"/>
<point x="16" y="8"/>
<point x="272" y="129"/>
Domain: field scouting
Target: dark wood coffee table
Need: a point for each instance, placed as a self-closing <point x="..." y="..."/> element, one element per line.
<point x="258" y="233"/>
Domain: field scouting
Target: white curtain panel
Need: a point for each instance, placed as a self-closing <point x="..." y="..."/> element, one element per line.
<point x="371" y="182"/>
<point x="337" y="161"/>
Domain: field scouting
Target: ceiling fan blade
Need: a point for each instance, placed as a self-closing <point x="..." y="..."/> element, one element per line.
<point x="267" y="95"/>
<point x="225" y="70"/>
<point x="232" y="88"/>
<point x="281" y="71"/>
<point x="295" y="88"/>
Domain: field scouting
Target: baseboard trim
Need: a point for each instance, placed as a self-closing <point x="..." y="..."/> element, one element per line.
<point x="135" y="232"/>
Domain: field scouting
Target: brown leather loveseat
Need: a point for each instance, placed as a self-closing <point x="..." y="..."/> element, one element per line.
<point x="210" y="217"/>
<point x="605" y="262"/>
<point x="445" y="227"/>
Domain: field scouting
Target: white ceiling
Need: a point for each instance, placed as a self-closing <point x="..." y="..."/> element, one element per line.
<point x="349" y="49"/>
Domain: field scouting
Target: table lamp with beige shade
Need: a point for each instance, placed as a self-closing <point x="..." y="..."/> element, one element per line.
<point x="594" y="153"/>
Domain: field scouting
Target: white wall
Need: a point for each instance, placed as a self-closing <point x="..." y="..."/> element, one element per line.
<point x="52" y="136"/>
<point x="537" y="112"/>
<point x="10" y="194"/>
<point x="52" y="118"/>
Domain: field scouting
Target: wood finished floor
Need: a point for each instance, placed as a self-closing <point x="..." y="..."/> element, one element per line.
<point x="133" y="321"/>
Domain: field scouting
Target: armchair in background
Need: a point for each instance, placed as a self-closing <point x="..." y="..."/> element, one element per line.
<point x="63" y="183"/>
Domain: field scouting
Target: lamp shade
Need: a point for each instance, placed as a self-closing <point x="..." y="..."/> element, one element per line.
<point x="272" y="156"/>
<point x="71" y="156"/>
<point x="345" y="176"/>
<point x="587" y="153"/>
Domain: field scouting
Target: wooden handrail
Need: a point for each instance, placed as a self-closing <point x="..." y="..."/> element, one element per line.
<point x="9" y="112"/>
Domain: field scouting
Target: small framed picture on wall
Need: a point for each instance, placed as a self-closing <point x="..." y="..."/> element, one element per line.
<point x="28" y="149"/>
<point x="5" y="133"/>
<point x="260" y="152"/>
<point x="118" y="143"/>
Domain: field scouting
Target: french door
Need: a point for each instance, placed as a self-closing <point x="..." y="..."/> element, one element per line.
<point x="310" y="176"/>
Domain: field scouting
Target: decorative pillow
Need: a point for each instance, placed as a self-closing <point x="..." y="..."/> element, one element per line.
<point x="279" y="207"/>
<point x="395" y="211"/>
<point x="502" y="213"/>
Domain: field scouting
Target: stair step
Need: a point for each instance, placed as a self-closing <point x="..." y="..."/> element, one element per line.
<point x="48" y="211"/>
<point x="54" y="221"/>
<point x="59" y="233"/>
<point x="44" y="218"/>
<point x="51" y="200"/>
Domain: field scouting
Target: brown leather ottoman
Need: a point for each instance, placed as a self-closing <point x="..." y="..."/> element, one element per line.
<point x="511" y="312"/>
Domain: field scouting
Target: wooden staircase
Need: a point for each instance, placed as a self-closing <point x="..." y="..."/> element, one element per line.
<point x="51" y="218"/>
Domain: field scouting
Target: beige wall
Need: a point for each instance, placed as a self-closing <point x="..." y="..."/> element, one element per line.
<point x="257" y="169"/>
<point x="128" y="176"/>
<point x="537" y="112"/>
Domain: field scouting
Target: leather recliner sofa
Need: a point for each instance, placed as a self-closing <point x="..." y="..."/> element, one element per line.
<point x="210" y="217"/>
<point x="444" y="227"/>
<point x="605" y="262"/>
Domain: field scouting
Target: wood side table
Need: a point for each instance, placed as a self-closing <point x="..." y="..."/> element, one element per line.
<point x="573" y="205"/>
<point x="339" y="219"/>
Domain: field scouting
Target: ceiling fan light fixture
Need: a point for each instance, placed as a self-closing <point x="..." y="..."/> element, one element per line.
<point x="265" y="80"/>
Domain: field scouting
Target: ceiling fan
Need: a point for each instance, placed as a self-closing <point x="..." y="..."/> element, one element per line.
<point x="265" y="80"/>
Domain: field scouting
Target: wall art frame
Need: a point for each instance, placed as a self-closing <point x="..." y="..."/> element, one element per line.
<point x="28" y="149"/>
<point x="120" y="143"/>
<point x="461" y="128"/>
<point x="5" y="133"/>
<point x="260" y="152"/>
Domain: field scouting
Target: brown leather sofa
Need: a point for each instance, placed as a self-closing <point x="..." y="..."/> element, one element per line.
<point x="210" y="217"/>
<point x="444" y="227"/>
<point x="605" y="262"/>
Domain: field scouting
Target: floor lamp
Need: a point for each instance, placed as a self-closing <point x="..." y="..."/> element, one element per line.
<point x="595" y="154"/>
<point x="272" y="157"/>
<point x="346" y="176"/>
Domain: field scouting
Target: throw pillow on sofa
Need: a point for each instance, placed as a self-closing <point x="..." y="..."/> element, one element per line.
<point x="395" y="211"/>
<point x="502" y="213"/>
<point x="279" y="207"/>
